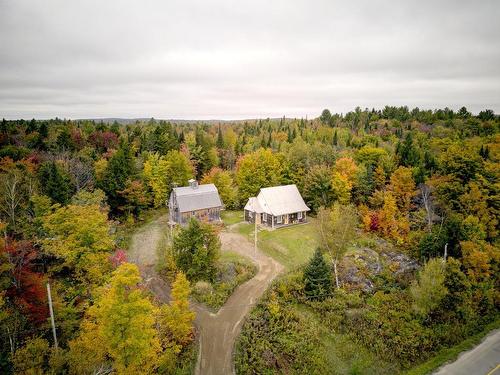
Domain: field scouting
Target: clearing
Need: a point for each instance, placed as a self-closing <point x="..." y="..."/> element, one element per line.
<point x="217" y="332"/>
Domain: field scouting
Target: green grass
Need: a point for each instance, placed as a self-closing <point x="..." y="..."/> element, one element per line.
<point x="234" y="270"/>
<point x="231" y="217"/>
<point x="291" y="246"/>
<point x="451" y="354"/>
<point x="343" y="354"/>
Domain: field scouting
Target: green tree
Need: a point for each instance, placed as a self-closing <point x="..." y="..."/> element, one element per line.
<point x="336" y="229"/>
<point x="256" y="170"/>
<point x="429" y="289"/>
<point x="118" y="170"/>
<point x="196" y="250"/>
<point x="325" y="117"/>
<point x="317" y="277"/>
<point x="317" y="190"/>
<point x="55" y="182"/>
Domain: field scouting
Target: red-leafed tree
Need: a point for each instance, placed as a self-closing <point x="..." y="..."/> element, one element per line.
<point x="27" y="287"/>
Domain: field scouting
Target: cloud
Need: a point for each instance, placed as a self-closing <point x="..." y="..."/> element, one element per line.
<point x="245" y="59"/>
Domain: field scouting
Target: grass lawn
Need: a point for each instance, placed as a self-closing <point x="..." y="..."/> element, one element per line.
<point x="234" y="270"/>
<point x="231" y="217"/>
<point x="291" y="246"/>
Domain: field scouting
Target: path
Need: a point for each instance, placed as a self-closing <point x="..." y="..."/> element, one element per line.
<point x="217" y="332"/>
<point x="482" y="360"/>
<point x="142" y="252"/>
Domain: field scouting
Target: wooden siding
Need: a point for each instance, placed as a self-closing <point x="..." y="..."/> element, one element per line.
<point x="272" y="221"/>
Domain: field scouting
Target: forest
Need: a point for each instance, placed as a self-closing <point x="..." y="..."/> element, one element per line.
<point x="422" y="183"/>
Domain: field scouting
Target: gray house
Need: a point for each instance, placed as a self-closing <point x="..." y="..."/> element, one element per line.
<point x="276" y="207"/>
<point x="200" y="201"/>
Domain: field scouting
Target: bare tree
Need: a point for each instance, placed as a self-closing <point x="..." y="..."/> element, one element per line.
<point x="82" y="174"/>
<point x="425" y="192"/>
<point x="11" y="196"/>
<point x="337" y="228"/>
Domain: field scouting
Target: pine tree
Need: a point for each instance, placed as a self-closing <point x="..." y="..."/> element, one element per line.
<point x="55" y="183"/>
<point x="335" y="138"/>
<point x="196" y="249"/>
<point x="317" y="277"/>
<point x="220" y="139"/>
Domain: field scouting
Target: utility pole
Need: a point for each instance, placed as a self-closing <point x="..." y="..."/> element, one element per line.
<point x="255" y="234"/>
<point x="52" y="315"/>
<point x="445" y="251"/>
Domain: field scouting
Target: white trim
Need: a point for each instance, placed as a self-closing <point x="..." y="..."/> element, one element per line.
<point x="299" y="215"/>
<point x="279" y="219"/>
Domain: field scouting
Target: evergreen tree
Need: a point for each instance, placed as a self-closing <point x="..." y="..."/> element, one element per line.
<point x="196" y="249"/>
<point x="220" y="139"/>
<point x="335" y="138"/>
<point x="118" y="170"/>
<point x="317" y="277"/>
<point x="55" y="183"/>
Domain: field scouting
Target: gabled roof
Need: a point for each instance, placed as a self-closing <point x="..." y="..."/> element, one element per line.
<point x="197" y="198"/>
<point x="278" y="200"/>
<point x="253" y="205"/>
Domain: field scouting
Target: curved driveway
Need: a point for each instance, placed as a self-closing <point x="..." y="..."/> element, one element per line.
<point x="217" y="332"/>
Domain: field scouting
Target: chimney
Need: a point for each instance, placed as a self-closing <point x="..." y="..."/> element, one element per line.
<point x="193" y="184"/>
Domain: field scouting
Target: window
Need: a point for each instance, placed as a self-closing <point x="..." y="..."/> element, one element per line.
<point x="299" y="215"/>
<point x="279" y="219"/>
<point x="264" y="216"/>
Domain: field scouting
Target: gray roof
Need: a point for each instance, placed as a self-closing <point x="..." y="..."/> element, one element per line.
<point x="278" y="200"/>
<point x="253" y="205"/>
<point x="192" y="199"/>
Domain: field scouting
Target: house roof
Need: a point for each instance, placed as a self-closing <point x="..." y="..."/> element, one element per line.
<point x="253" y="205"/>
<point x="278" y="200"/>
<point x="197" y="198"/>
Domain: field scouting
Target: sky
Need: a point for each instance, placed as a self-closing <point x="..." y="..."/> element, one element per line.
<point x="244" y="59"/>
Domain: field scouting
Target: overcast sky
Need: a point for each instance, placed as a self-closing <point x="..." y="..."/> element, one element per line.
<point x="244" y="59"/>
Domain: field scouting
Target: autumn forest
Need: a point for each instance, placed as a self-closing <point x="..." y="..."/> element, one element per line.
<point x="399" y="261"/>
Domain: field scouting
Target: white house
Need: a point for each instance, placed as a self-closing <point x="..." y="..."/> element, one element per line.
<point x="277" y="206"/>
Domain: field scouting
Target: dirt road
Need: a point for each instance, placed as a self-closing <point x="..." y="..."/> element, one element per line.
<point x="483" y="359"/>
<point x="143" y="252"/>
<point x="217" y="332"/>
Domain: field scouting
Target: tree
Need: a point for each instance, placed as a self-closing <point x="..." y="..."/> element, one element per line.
<point x="391" y="224"/>
<point x="136" y="198"/>
<point x="55" y="182"/>
<point x="225" y="185"/>
<point x="344" y="177"/>
<point x="162" y="173"/>
<point x="486" y="115"/>
<point x="325" y="117"/>
<point x="79" y="235"/>
<point x="176" y="320"/>
<point x="429" y="289"/>
<point x="196" y="249"/>
<point x="337" y="228"/>
<point x="32" y="358"/>
<point x="118" y="170"/>
<point x="121" y="325"/>
<point x="16" y="188"/>
<point x="317" y="190"/>
<point x="256" y="170"/>
<point x="403" y="188"/>
<point x="317" y="277"/>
